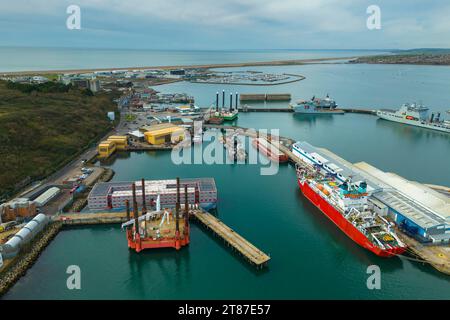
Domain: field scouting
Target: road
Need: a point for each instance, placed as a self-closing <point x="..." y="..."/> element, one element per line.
<point x="75" y="165"/>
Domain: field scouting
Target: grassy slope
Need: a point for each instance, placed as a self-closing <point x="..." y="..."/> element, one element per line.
<point x="40" y="131"/>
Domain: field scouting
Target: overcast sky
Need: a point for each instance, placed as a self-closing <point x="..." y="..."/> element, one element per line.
<point x="226" y="24"/>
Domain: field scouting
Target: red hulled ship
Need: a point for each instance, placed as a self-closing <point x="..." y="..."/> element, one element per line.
<point x="346" y="205"/>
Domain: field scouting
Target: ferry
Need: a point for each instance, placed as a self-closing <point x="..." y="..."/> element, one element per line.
<point x="316" y="106"/>
<point x="269" y="150"/>
<point x="416" y="115"/>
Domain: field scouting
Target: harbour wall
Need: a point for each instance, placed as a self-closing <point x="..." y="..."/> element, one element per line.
<point x="24" y="260"/>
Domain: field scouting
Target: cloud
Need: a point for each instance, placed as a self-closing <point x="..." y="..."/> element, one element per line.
<point x="250" y="23"/>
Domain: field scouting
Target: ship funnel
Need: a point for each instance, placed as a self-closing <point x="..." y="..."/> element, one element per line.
<point x="432" y="118"/>
<point x="236" y="104"/>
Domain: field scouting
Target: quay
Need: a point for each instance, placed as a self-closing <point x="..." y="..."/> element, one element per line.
<point x="265" y="97"/>
<point x="251" y="253"/>
<point x="436" y="256"/>
<point x="346" y="110"/>
<point x="417" y="209"/>
<point x="91" y="218"/>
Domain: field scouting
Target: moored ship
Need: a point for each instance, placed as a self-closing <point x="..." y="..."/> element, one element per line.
<point x="229" y="115"/>
<point x="316" y="106"/>
<point x="269" y="150"/>
<point x="343" y="196"/>
<point x="345" y="204"/>
<point x="416" y="115"/>
<point x="162" y="228"/>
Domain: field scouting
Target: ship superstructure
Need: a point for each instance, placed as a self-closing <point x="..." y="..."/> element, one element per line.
<point x="416" y="115"/>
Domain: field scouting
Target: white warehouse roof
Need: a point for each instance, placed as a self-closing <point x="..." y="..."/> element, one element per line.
<point x="427" y="197"/>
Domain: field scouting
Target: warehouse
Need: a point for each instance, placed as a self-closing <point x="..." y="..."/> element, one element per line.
<point x="120" y="141"/>
<point x="106" y="149"/>
<point x="19" y="207"/>
<point x="48" y="195"/>
<point x="164" y="133"/>
<point x="417" y="209"/>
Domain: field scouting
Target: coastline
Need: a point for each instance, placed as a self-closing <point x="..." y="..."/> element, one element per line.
<point x="198" y="66"/>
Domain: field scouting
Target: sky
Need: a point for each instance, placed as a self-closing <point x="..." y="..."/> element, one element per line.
<point x="226" y="24"/>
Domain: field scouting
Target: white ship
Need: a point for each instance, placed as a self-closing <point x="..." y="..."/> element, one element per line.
<point x="416" y="115"/>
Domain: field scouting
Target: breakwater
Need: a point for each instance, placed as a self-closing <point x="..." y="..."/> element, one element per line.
<point x="197" y="66"/>
<point x="25" y="259"/>
<point x="346" y="110"/>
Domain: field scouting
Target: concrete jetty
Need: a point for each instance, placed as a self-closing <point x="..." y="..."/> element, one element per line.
<point x="346" y="110"/>
<point x="91" y="218"/>
<point x="265" y="97"/>
<point x="251" y="253"/>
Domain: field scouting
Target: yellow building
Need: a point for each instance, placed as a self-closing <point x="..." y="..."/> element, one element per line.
<point x="164" y="133"/>
<point x="106" y="148"/>
<point x="120" y="141"/>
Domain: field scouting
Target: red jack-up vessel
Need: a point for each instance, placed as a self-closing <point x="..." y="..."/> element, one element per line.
<point x="160" y="228"/>
<point x="346" y="205"/>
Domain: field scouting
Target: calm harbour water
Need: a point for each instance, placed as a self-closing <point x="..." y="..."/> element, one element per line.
<point x="311" y="258"/>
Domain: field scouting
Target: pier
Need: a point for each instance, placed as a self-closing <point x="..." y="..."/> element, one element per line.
<point x="92" y="218"/>
<point x="346" y="110"/>
<point x="265" y="97"/>
<point x="231" y="238"/>
<point x="436" y="256"/>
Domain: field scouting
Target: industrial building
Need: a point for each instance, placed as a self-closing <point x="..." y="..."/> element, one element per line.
<point x="163" y="133"/>
<point x="106" y="149"/>
<point x="91" y="84"/>
<point x="418" y="210"/>
<point x="136" y="135"/>
<point x="17" y="208"/>
<point x="45" y="197"/>
<point x="120" y="141"/>
<point x="113" y="195"/>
